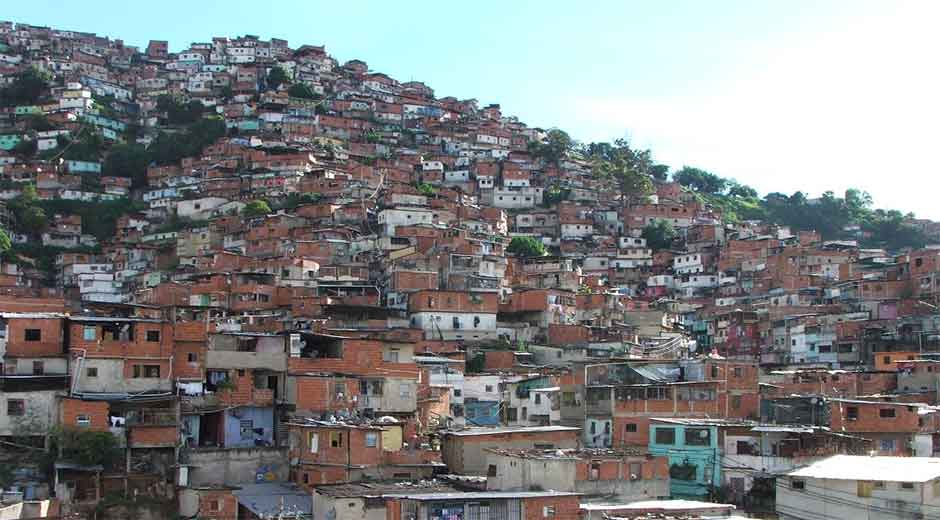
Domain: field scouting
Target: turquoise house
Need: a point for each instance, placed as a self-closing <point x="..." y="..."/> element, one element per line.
<point x="9" y="141"/>
<point x="694" y="454"/>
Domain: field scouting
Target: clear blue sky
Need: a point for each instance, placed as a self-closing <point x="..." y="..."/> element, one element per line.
<point x="782" y="95"/>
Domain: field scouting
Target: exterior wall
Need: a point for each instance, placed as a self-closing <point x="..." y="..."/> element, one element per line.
<point x="114" y="376"/>
<point x="839" y="499"/>
<point x="50" y="342"/>
<point x="613" y="480"/>
<point x="96" y="411"/>
<point x="235" y="466"/>
<point x="467" y="454"/>
<point x="705" y="458"/>
<point x="38" y="417"/>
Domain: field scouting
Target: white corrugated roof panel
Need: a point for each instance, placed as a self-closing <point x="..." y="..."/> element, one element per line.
<point x="888" y="469"/>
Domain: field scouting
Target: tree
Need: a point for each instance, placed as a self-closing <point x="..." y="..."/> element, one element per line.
<point x="555" y="194"/>
<point x="555" y="147"/>
<point x="277" y="76"/>
<point x="25" y="89"/>
<point x="256" y="208"/>
<point x="659" y="234"/>
<point x="85" y="447"/>
<point x="127" y="160"/>
<point x="699" y="180"/>
<point x="302" y="90"/>
<point x="5" y="242"/>
<point x="659" y="172"/>
<point x="426" y="189"/>
<point x="628" y="167"/>
<point x="32" y="220"/>
<point x="742" y="191"/>
<point x="179" y="112"/>
<point x="526" y="246"/>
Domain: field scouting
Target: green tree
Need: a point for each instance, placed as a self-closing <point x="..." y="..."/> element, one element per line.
<point x="699" y="180"/>
<point x="5" y="242"/>
<point x="178" y="111"/>
<point x="277" y="76"/>
<point x="659" y="172"/>
<point x="659" y="234"/>
<point x="555" y="147"/>
<point x="32" y="220"/>
<point x="526" y="246"/>
<point x="628" y="167"/>
<point x="26" y="148"/>
<point x="426" y="189"/>
<point x="555" y="194"/>
<point x="256" y="208"/>
<point x="127" y="160"/>
<point x="85" y="447"/>
<point x="26" y="88"/>
<point x="86" y="146"/>
<point x="302" y="90"/>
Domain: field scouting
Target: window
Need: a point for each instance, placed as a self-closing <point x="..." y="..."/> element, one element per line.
<point x="864" y="487"/>
<point x="538" y="398"/>
<point x="489" y="388"/>
<point x="153" y="336"/>
<point x="246" y="429"/>
<point x="739" y="372"/>
<point x="33" y="335"/>
<point x="83" y="420"/>
<point x="851" y="413"/>
<point x="666" y="436"/>
<point x="491" y="470"/>
<point x="697" y="437"/>
<point x="887" y="360"/>
<point x="306" y="477"/>
<point x="630" y="428"/>
<point x="91" y="372"/>
<point x="372" y="439"/>
<point x="336" y="439"/>
<point x="908" y="486"/>
<point x="404" y="390"/>
<point x="457" y="392"/>
<point x="797" y="484"/>
<point x="38" y="368"/>
<point x="736" y="402"/>
<point x="888" y="445"/>
<point x="89" y="334"/>
<point x="886" y="413"/>
<point x="16" y="407"/>
<point x="878" y="484"/>
<point x="192" y="357"/>
<point x="511" y="414"/>
<point x="714" y="371"/>
<point x="390" y="356"/>
<point x="313" y="440"/>
<point x="548" y="511"/>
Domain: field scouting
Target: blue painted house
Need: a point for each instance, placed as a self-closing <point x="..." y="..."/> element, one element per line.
<point x="481" y="413"/>
<point x="694" y="453"/>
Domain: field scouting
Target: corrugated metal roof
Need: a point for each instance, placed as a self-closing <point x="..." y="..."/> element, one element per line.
<point x="857" y="467"/>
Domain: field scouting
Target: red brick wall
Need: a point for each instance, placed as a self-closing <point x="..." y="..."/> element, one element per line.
<point x="145" y="436"/>
<point x="566" y="507"/>
<point x="50" y="341"/>
<point x="567" y="334"/>
<point x="97" y="411"/>
<point x="870" y="420"/>
<point x="217" y="505"/>
<point x="495" y="359"/>
<point x="316" y="393"/>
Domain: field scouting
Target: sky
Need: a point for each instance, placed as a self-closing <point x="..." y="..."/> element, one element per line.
<point x="782" y="95"/>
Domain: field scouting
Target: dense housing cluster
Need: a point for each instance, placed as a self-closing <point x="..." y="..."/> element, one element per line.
<point x="243" y="280"/>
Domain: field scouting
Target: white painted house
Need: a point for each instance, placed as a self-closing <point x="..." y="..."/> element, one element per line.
<point x="854" y="487"/>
